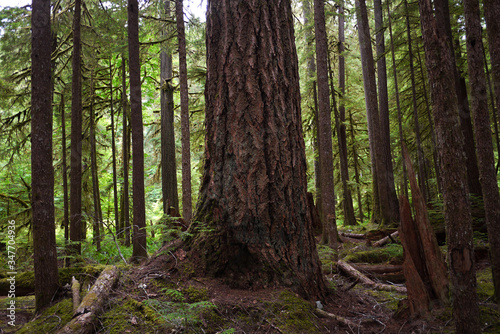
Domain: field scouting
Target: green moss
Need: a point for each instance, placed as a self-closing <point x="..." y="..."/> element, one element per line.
<point x="490" y="319"/>
<point x="485" y="287"/>
<point x="130" y="316"/>
<point x="194" y="295"/>
<point x="391" y="253"/>
<point x="51" y="320"/>
<point x="327" y="256"/>
<point x="388" y="299"/>
<point x="292" y="314"/>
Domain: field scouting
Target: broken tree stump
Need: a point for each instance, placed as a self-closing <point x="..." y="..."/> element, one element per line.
<point x="86" y="314"/>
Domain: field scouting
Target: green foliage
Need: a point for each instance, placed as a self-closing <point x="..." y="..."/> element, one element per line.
<point x="392" y="253"/>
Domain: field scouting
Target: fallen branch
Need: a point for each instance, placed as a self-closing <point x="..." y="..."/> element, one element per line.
<point x="385" y="240"/>
<point x="75" y="289"/>
<point x="324" y="314"/>
<point x="351" y="271"/>
<point x="353" y="235"/>
<point x="86" y="314"/>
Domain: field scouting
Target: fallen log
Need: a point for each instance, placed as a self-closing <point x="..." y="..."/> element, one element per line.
<point x="378" y="268"/>
<point x="86" y="314"/>
<point x="352" y="235"/>
<point x="324" y="314"/>
<point x="75" y="289"/>
<point x="363" y="279"/>
<point x="385" y="240"/>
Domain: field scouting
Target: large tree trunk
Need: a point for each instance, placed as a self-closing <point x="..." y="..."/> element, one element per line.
<point x="330" y="234"/>
<point x="42" y="172"/>
<point x="482" y="131"/>
<point x="139" y="228"/>
<point x="168" y="165"/>
<point x="451" y="156"/>
<point x="253" y="192"/>
<point x="75" y="232"/>
<point x="186" y="137"/>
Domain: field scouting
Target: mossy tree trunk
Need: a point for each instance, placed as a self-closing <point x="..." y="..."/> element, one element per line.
<point x="252" y="225"/>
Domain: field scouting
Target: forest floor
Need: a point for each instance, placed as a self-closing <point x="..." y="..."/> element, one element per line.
<point x="163" y="296"/>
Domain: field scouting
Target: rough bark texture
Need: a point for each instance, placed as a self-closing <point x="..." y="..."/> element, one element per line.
<point x="330" y="234"/>
<point x="168" y="165"/>
<point x="75" y="232"/>
<point x="482" y="131"/>
<point x="252" y="203"/>
<point x="42" y="172"/>
<point x="454" y="178"/>
<point x="139" y="232"/>
<point x="187" y="207"/>
<point x="85" y="316"/>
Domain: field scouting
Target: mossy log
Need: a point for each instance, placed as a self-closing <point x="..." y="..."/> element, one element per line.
<point x="86" y="314"/>
<point x="351" y="271"/>
<point x="75" y="289"/>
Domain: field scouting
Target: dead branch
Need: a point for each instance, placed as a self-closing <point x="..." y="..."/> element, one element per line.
<point x="351" y="271"/>
<point x="353" y="235"/>
<point x="324" y="314"/>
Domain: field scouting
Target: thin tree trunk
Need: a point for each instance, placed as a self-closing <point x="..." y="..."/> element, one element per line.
<point x="125" y="153"/>
<point x="398" y="105"/>
<point x="139" y="251"/>
<point x="187" y="210"/>
<point x="75" y="231"/>
<point x="493" y="105"/>
<point x="356" y="169"/>
<point x="113" y="147"/>
<point x="168" y="165"/>
<point x="454" y="176"/>
<point x="349" y="218"/>
<point x="420" y="155"/>
<point x="42" y="172"/>
<point x="482" y="131"/>
<point x="64" y="169"/>
<point x="385" y="139"/>
<point x="97" y="217"/>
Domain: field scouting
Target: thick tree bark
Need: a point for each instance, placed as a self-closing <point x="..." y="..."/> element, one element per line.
<point x="385" y="139"/>
<point x="187" y="210"/>
<point x="369" y="82"/>
<point x="139" y="227"/>
<point x="168" y="165"/>
<point x="349" y="218"/>
<point x="75" y="232"/>
<point x="451" y="156"/>
<point x="42" y="172"/>
<point x="330" y="234"/>
<point x="253" y="192"/>
<point x="482" y="131"/>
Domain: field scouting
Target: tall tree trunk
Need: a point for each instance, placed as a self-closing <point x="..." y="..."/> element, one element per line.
<point x="125" y="152"/>
<point x="253" y="191"/>
<point x="454" y="176"/>
<point x="356" y="170"/>
<point x="168" y="165"/>
<point x="420" y="154"/>
<point x="398" y="104"/>
<point x="368" y="68"/>
<point x="187" y="210"/>
<point x="42" y="172"/>
<point x="113" y="147"/>
<point x="491" y="14"/>
<point x="493" y="106"/>
<point x="330" y="233"/>
<point x="97" y="216"/>
<point x="482" y="131"/>
<point x="64" y="169"/>
<point x="139" y="251"/>
<point x="385" y="139"/>
<point x="349" y="218"/>
<point x="75" y="232"/>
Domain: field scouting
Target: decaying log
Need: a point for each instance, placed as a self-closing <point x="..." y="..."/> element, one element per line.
<point x="351" y="271"/>
<point x="75" y="289"/>
<point x="378" y="268"/>
<point x="353" y="235"/>
<point x="385" y="240"/>
<point x="86" y="314"/>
